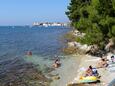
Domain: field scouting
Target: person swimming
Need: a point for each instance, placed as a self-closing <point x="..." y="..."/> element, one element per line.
<point x="29" y="53"/>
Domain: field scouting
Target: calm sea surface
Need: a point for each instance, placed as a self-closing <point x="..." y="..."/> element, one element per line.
<point x="44" y="42"/>
<point x="40" y="40"/>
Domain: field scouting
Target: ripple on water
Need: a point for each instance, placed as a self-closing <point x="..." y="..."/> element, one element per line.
<point x="22" y="70"/>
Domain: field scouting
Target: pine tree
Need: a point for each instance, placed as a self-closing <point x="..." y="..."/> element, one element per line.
<point x="94" y="17"/>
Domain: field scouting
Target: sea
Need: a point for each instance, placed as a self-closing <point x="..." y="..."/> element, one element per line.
<point x="19" y="69"/>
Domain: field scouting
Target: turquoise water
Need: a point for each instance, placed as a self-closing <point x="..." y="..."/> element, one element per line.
<point x="44" y="42"/>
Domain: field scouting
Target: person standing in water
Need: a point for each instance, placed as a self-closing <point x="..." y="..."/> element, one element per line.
<point x="57" y="63"/>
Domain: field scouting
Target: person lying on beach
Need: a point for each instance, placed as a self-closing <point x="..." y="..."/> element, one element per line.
<point x="102" y="63"/>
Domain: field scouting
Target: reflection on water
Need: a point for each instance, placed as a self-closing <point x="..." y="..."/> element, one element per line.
<point x="16" y="69"/>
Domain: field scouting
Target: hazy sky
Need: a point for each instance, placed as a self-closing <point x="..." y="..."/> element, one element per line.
<point x="21" y="12"/>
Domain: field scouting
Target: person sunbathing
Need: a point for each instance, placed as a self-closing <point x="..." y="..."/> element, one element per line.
<point x="102" y="63"/>
<point x="89" y="71"/>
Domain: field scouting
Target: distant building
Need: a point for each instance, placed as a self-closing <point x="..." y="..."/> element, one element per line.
<point x="49" y="24"/>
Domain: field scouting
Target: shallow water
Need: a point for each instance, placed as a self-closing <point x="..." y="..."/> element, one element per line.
<point x="68" y="70"/>
<point x="17" y="69"/>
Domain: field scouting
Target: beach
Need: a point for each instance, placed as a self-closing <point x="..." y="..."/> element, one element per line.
<point x="106" y="75"/>
<point x="57" y="43"/>
<point x="67" y="71"/>
<point x="38" y="67"/>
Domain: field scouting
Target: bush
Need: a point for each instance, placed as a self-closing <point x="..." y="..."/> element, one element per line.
<point x="69" y="37"/>
<point x="96" y="18"/>
<point x="93" y="36"/>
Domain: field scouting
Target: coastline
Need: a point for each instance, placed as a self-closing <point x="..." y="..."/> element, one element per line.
<point x="106" y="76"/>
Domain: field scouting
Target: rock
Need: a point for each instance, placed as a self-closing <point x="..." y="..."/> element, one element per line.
<point x="56" y="77"/>
<point x="85" y="47"/>
<point x="109" y="46"/>
<point x="23" y="75"/>
<point x="71" y="44"/>
<point x="82" y="48"/>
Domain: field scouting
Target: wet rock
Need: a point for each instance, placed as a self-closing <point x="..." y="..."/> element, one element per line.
<point x="23" y="75"/>
<point x="48" y="69"/>
<point x="56" y="77"/>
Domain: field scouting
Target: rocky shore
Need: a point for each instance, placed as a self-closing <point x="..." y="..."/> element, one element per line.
<point x="90" y="56"/>
<point x="73" y="46"/>
<point x="24" y="74"/>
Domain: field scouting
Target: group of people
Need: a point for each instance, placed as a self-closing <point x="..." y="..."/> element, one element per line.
<point x="56" y="62"/>
<point x="102" y="63"/>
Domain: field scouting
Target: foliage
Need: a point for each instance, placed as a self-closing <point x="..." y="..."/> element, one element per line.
<point x="69" y="37"/>
<point x="113" y="30"/>
<point x="94" y="17"/>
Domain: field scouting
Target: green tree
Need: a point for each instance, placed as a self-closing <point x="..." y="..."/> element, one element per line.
<point x="94" y="17"/>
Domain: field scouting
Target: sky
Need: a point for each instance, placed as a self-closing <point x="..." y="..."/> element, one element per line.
<point x="25" y="12"/>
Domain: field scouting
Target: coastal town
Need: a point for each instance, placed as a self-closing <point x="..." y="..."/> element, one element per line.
<point x="46" y="24"/>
